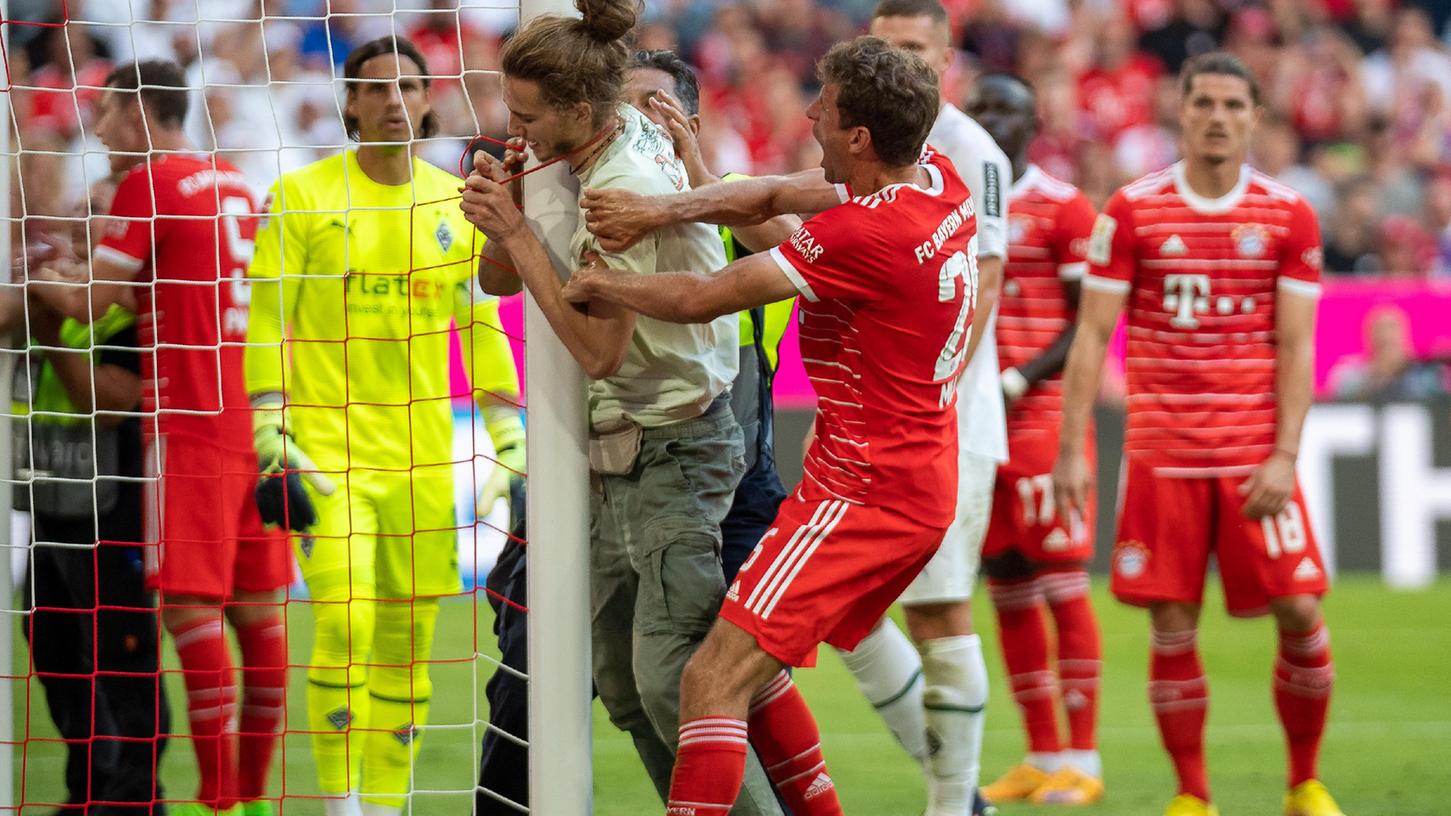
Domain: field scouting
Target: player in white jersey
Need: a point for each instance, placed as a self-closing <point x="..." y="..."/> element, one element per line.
<point x="932" y="696"/>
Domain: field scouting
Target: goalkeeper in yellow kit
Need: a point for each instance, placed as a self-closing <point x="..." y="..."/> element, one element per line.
<point x="361" y="266"/>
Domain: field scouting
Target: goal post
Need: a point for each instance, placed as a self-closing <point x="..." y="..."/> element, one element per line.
<point x="7" y="368"/>
<point x="558" y="516"/>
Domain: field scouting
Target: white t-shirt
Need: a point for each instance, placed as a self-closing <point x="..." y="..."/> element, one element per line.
<point x="981" y="418"/>
<point x="671" y="372"/>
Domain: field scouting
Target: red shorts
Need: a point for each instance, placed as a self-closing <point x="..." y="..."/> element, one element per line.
<point x="1168" y="526"/>
<point x="1025" y="517"/>
<point x="826" y="571"/>
<point x="203" y="534"/>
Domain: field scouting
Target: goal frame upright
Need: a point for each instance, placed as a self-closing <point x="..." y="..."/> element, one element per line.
<point x="558" y="516"/>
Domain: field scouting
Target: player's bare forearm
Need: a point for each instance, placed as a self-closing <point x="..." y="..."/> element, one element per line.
<point x="989" y="288"/>
<point x="620" y="218"/>
<point x="686" y="297"/>
<point x="1083" y="374"/>
<point x="1052" y="360"/>
<point x="596" y="333"/>
<point x="103" y="388"/>
<point x="12" y="309"/>
<point x="496" y="275"/>
<point x="761" y="237"/>
<point x="1055" y="356"/>
<point x="1294" y="368"/>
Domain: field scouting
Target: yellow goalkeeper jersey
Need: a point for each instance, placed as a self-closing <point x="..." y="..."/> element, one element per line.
<point x="355" y="287"/>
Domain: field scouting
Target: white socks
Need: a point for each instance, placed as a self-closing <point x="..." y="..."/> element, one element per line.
<point x="888" y="670"/>
<point x="342" y="806"/>
<point x="955" y="696"/>
<point x="1085" y="761"/>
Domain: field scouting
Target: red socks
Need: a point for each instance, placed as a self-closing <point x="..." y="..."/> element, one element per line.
<point x="1304" y="675"/>
<point x="711" y="760"/>
<point x="785" y="736"/>
<point x="1080" y="653"/>
<point x="264" y="689"/>
<point x="211" y="702"/>
<point x="710" y="763"/>
<point x="1024" y="640"/>
<point x="1180" y="698"/>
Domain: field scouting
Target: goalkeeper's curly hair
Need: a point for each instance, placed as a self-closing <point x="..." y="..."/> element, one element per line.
<point x="889" y="91"/>
<point x="576" y="60"/>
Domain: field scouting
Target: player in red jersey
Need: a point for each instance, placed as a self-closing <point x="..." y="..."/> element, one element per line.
<point x="1219" y="266"/>
<point x="181" y="238"/>
<point x="886" y="282"/>
<point x="1034" y="557"/>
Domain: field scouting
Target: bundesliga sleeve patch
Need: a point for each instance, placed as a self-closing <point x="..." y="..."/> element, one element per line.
<point x="1100" y="242"/>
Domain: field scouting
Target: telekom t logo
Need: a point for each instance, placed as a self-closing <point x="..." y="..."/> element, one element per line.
<point x="1186" y="296"/>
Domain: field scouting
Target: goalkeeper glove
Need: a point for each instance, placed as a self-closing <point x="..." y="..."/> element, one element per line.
<point x="281" y="499"/>
<point x="507" y="434"/>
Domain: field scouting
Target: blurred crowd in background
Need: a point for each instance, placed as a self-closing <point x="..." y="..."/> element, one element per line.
<point x="1357" y="92"/>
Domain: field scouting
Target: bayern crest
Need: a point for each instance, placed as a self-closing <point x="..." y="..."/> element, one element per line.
<point x="1250" y="240"/>
<point x="1130" y="559"/>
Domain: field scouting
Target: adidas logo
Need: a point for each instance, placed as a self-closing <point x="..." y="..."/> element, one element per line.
<point x="1173" y="247"/>
<point x="734" y="593"/>
<point x="340" y="718"/>
<point x="1307" y="571"/>
<point x="1056" y="540"/>
<point x="820" y="785"/>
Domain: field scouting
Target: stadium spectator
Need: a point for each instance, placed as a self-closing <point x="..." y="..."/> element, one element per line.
<point x="1438" y="220"/>
<point x="1388" y="370"/>
<point x="1185" y="251"/>
<point x="666" y="453"/>
<point x="1350" y="246"/>
<point x="1277" y="151"/>
<point x="1117" y="90"/>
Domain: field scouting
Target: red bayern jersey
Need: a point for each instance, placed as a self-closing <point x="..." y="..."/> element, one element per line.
<point x="1202" y="277"/>
<point x="1049" y="222"/>
<point x="887" y="283"/>
<point x="184" y="224"/>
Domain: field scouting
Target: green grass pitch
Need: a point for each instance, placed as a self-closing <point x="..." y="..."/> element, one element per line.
<point x="1388" y="750"/>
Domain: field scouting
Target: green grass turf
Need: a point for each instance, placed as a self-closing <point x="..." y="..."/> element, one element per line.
<point x="1386" y="752"/>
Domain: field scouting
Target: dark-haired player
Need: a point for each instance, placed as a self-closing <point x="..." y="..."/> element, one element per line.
<point x="887" y="279"/>
<point x="1033" y="558"/>
<point x="182" y="233"/>
<point x="1219" y="267"/>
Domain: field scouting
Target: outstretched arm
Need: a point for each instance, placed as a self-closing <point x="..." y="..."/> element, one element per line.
<point x="597" y="333"/>
<point x="685" y="297"/>
<point x="619" y="218"/>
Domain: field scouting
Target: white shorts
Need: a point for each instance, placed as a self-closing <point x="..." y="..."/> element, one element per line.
<point x="951" y="574"/>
